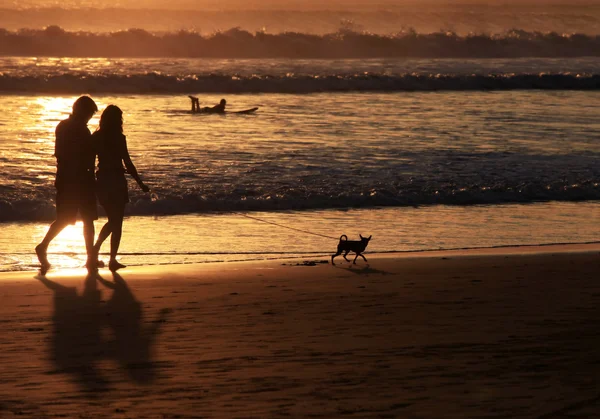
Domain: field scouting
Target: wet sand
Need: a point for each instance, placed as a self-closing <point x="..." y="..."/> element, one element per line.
<point x="487" y="334"/>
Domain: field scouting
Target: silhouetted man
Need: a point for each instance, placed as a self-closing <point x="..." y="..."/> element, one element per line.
<point x="75" y="184"/>
<point x="220" y="108"/>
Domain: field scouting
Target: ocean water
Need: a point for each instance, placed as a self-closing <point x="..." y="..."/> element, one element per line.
<point x="420" y="153"/>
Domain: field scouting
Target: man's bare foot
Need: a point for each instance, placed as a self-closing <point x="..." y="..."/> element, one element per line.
<point x="113" y="265"/>
<point x="40" y="251"/>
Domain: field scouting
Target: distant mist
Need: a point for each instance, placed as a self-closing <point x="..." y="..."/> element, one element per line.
<point x="383" y="17"/>
<point x="344" y="43"/>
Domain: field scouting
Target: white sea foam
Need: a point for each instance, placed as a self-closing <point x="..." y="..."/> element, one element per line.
<point x="184" y="76"/>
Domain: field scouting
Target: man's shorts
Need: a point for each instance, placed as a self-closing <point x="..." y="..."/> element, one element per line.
<point x="71" y="199"/>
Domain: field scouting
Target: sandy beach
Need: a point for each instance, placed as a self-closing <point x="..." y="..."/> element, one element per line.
<point x="498" y="333"/>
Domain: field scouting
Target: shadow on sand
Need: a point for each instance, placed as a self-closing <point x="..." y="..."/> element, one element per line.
<point x="78" y="341"/>
<point x="363" y="270"/>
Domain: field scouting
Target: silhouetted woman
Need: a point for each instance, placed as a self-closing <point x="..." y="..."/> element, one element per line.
<point x="111" y="185"/>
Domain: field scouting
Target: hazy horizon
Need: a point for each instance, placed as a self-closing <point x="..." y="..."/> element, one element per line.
<point x="382" y="17"/>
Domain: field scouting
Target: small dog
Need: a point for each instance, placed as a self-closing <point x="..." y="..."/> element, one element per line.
<point x="356" y="246"/>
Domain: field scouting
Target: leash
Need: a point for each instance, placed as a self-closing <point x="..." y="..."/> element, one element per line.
<point x="283" y="226"/>
<point x="154" y="197"/>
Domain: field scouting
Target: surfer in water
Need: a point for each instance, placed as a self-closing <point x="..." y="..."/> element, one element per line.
<point x="220" y="108"/>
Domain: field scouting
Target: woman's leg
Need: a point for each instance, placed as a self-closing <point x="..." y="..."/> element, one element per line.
<point x="115" y="218"/>
<point x="102" y="236"/>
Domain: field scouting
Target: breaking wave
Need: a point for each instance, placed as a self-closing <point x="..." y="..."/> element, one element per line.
<point x="345" y="43"/>
<point x="223" y="83"/>
<point x="39" y="208"/>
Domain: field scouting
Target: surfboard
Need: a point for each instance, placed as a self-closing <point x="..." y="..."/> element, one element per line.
<point x="244" y="111"/>
<point x="187" y="112"/>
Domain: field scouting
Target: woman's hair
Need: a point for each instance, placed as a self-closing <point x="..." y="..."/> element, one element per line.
<point x="111" y="119"/>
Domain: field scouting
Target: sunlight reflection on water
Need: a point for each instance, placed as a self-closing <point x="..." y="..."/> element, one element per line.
<point x="424" y="144"/>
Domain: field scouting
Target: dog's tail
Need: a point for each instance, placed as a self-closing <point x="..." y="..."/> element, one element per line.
<point x="344" y="236"/>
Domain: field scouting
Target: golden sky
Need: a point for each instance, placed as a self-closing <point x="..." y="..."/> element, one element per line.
<point x="271" y="4"/>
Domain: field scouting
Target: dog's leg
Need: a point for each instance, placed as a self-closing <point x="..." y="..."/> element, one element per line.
<point x="362" y="256"/>
<point x="332" y="256"/>
<point x="354" y="261"/>
<point x="345" y="254"/>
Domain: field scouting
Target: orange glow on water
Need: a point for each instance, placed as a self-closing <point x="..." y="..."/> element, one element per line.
<point x="52" y="110"/>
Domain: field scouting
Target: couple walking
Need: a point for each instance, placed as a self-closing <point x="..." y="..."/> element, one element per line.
<point x="77" y="186"/>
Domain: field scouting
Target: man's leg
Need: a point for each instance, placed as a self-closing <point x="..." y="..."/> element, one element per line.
<point x="66" y="213"/>
<point x="195" y="104"/>
<point x="41" y="249"/>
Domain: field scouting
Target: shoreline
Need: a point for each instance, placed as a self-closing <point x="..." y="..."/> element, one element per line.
<point x="551" y="248"/>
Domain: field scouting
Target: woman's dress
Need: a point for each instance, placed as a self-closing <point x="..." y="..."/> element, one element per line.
<point x="111" y="184"/>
